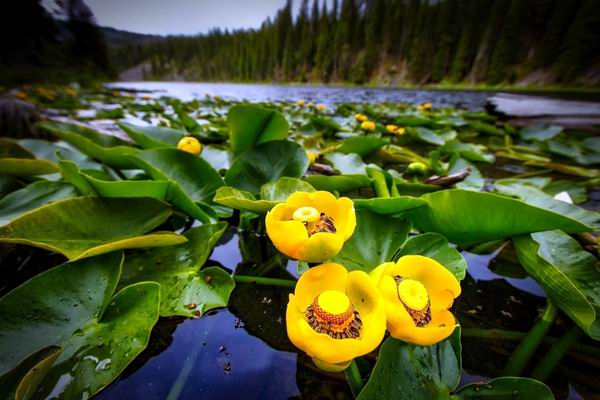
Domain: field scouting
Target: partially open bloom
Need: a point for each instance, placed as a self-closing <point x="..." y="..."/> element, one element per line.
<point x="418" y="293"/>
<point x="321" y="107"/>
<point x="424" y="106"/>
<point x="368" y="126"/>
<point x="335" y="316"/>
<point x="300" y="103"/>
<point x="391" y="128"/>
<point x="311" y="226"/>
<point x="309" y="104"/>
<point x="146" y="97"/>
<point x="360" y="117"/>
<point x="416" y="168"/>
<point x="312" y="157"/>
<point x="190" y="144"/>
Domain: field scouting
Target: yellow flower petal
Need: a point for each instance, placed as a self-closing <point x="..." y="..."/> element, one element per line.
<point x="316" y="280"/>
<point x="287" y="235"/>
<point x="321" y="246"/>
<point x="441" y="326"/>
<point x="430" y="272"/>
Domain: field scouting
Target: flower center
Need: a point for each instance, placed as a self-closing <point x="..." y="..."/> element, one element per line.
<point x="415" y="299"/>
<point x="332" y="313"/>
<point x="314" y="221"/>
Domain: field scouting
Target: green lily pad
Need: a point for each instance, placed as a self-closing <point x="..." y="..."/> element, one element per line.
<point x="488" y="129"/>
<point x="108" y="149"/>
<point x="361" y="145"/>
<point x="338" y="183"/>
<point x="407" y="372"/>
<point x="284" y="188"/>
<point x="45" y="150"/>
<point x="186" y="287"/>
<point x="540" y="132"/>
<point x="389" y="205"/>
<point x="265" y="163"/>
<point x="437" y="247"/>
<point x="466" y="217"/>
<point x="26" y="167"/>
<point x="219" y="158"/>
<point x="376" y="240"/>
<point x="74" y="306"/>
<point x="241" y="200"/>
<point x="33" y="196"/>
<point x="86" y="226"/>
<point x="251" y="125"/>
<point x="469" y="151"/>
<point x="149" y="137"/>
<point x="347" y="163"/>
<point x="506" y="388"/>
<point x="474" y="181"/>
<point x="431" y="137"/>
<point x="567" y="273"/>
<point x="10" y="149"/>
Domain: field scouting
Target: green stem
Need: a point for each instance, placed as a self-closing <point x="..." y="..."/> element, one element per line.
<point x="354" y="378"/>
<point x="545" y="367"/>
<point x="264" y="281"/>
<point x="524" y="351"/>
<point x="379" y="183"/>
<point x="394" y="190"/>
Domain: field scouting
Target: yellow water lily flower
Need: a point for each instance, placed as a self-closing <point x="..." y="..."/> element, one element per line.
<point x="321" y="107"/>
<point x="418" y="293"/>
<point x="300" y="103"/>
<point x="424" y="106"/>
<point x="416" y="168"/>
<point x="360" y="117"/>
<point x="311" y="226"/>
<point x="391" y="128"/>
<point x="146" y="97"/>
<point x="368" y="126"/>
<point x="190" y="144"/>
<point x="309" y="104"/>
<point x="335" y="315"/>
<point x="312" y="157"/>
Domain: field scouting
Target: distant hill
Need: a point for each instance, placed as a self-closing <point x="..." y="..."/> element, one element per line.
<point x="117" y="37"/>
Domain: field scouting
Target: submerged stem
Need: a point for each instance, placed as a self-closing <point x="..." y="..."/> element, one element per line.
<point x="261" y="280"/>
<point x="379" y="183"/>
<point x="354" y="378"/>
<point x="545" y="367"/>
<point x="524" y="351"/>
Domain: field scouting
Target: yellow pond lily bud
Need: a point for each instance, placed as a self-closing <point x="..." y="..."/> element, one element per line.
<point x="300" y="103"/>
<point x="335" y="315"/>
<point x="312" y="157"/>
<point x="190" y="144"/>
<point x="368" y="126"/>
<point x="391" y="128"/>
<point x="418" y="293"/>
<point x="416" y="168"/>
<point x="311" y="227"/>
<point x="146" y="97"/>
<point x="309" y="104"/>
<point x="360" y="117"/>
<point x="321" y="107"/>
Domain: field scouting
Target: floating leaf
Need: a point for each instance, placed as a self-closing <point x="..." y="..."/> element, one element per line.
<point x="45" y="150"/>
<point x="389" y="205"/>
<point x="241" y="200"/>
<point x="437" y="247"/>
<point x="376" y="240"/>
<point x="185" y="287"/>
<point x="108" y="149"/>
<point x="73" y="306"/>
<point x="506" y="388"/>
<point x="86" y="226"/>
<point x="265" y="163"/>
<point x="218" y="158"/>
<point x="251" y="125"/>
<point x="540" y="132"/>
<point x="567" y="273"/>
<point x="470" y="151"/>
<point x="33" y="196"/>
<point x="339" y="183"/>
<point x="149" y="137"/>
<point x="284" y="188"/>
<point x="26" y="167"/>
<point x="431" y="137"/>
<point x="474" y="181"/>
<point x="466" y="217"/>
<point x="361" y="145"/>
<point x="347" y="164"/>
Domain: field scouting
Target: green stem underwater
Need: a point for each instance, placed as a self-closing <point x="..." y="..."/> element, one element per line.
<point x="354" y="378"/>
<point x="524" y="351"/>
<point x="545" y="367"/>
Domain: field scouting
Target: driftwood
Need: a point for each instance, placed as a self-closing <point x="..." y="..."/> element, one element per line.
<point x="451" y="179"/>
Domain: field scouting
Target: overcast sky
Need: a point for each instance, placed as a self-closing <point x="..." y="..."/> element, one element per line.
<point x="184" y="16"/>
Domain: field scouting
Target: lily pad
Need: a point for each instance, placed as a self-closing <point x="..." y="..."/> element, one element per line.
<point x="251" y="125"/>
<point x="466" y="217"/>
<point x="506" y="388"/>
<point x="242" y="200"/>
<point x="338" y="183"/>
<point x="376" y="240"/>
<point x="472" y="182"/>
<point x="74" y="306"/>
<point x="149" y="137"/>
<point x="540" y="132"/>
<point x="86" y="226"/>
<point x="186" y="287"/>
<point x="347" y="163"/>
<point x="284" y="188"/>
<point x="437" y="247"/>
<point x="26" y="167"/>
<point x="361" y="145"/>
<point x="431" y="137"/>
<point x="567" y="273"/>
<point x="389" y="205"/>
<point x="265" y="163"/>
<point x="33" y="196"/>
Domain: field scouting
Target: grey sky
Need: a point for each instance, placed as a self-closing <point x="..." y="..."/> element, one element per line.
<point x="183" y="16"/>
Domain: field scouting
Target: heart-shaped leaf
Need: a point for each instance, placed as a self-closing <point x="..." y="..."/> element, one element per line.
<point x="185" y="288"/>
<point x="466" y="217"/>
<point x="338" y="183"/>
<point x="376" y="240"/>
<point x="389" y="205"/>
<point x="361" y="145"/>
<point x="540" y="132"/>
<point x="431" y="137"/>
<point x="73" y="306"/>
<point x="242" y="200"/>
<point x="26" y="167"/>
<point x="284" y="188"/>
<point x="347" y="163"/>
<point x="251" y="125"/>
<point x="149" y="137"/>
<point x="506" y="388"/>
<point x="86" y="226"/>
<point x="568" y="274"/>
<point x="265" y="163"/>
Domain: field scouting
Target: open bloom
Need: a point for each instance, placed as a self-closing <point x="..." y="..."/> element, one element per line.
<point x="190" y="144"/>
<point x="300" y="103"/>
<point x="391" y="128"/>
<point x="368" y="125"/>
<point x="321" y="107"/>
<point x="417" y="292"/>
<point x="312" y="157"/>
<point x="311" y="226"/>
<point x="416" y="168"/>
<point x="360" y="117"/>
<point x="335" y="316"/>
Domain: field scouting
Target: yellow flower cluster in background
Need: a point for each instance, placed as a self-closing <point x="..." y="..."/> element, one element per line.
<point x="321" y="107"/>
<point x="368" y="126"/>
<point x="424" y="106"/>
<point x="360" y="117"/>
<point x="395" y="129"/>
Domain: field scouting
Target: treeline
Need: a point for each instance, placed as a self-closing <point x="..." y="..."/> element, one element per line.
<point x="61" y="43"/>
<point x="393" y="41"/>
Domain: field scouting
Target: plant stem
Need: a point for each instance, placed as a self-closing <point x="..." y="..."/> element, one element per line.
<point x="264" y="281"/>
<point x="545" y="367"/>
<point x="524" y="351"/>
<point x="354" y="378"/>
<point x="379" y="183"/>
<point x="394" y="190"/>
